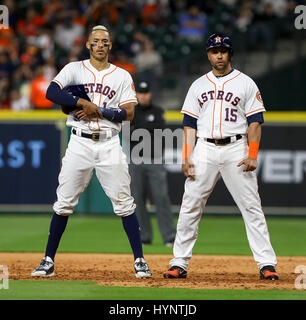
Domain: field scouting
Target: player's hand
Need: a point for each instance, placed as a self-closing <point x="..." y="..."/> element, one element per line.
<point x="80" y="114"/>
<point x="89" y="108"/>
<point x="250" y="164"/>
<point x="188" y="169"/>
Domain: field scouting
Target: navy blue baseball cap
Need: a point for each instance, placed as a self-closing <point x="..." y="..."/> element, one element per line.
<point x="220" y="40"/>
<point x="143" y="87"/>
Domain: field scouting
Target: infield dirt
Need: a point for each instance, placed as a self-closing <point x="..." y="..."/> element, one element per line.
<point x="205" y="271"/>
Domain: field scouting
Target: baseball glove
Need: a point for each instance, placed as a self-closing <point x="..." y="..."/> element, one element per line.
<point x="77" y="91"/>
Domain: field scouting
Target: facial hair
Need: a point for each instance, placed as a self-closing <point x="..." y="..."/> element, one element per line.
<point x="222" y="67"/>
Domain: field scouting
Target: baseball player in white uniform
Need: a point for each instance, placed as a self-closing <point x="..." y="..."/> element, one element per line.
<point x="97" y="96"/>
<point x="223" y="109"/>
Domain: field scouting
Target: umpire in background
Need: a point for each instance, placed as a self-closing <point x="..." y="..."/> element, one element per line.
<point x="150" y="117"/>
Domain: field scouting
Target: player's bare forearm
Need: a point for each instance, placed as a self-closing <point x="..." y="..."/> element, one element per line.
<point x="254" y="132"/>
<point x="189" y="138"/>
<point x="254" y="136"/>
<point x="130" y="109"/>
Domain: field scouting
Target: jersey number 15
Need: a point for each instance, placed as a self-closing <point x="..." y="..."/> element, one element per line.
<point x="230" y="114"/>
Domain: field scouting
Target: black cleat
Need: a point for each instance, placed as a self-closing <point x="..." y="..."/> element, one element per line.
<point x="268" y="273"/>
<point x="175" y="273"/>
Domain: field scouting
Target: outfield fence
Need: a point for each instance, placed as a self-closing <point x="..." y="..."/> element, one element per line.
<point x="32" y="144"/>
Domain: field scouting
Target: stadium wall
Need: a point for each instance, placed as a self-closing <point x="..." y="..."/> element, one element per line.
<point x="32" y="144"/>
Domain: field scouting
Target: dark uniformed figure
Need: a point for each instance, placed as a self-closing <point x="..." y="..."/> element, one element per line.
<point x="150" y="117"/>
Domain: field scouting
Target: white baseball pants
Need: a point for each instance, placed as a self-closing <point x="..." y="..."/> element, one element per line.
<point x="82" y="156"/>
<point x="210" y="162"/>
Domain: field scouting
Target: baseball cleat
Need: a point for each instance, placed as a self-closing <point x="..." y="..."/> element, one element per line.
<point x="142" y="269"/>
<point x="175" y="273"/>
<point x="45" y="269"/>
<point x="268" y="273"/>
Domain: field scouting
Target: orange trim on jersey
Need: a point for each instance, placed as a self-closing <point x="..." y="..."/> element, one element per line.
<point x="93" y="92"/>
<point x="212" y="130"/>
<point x="126" y="101"/>
<point x="89" y="70"/>
<point x="258" y="96"/>
<point x="222" y="100"/>
<point x="98" y="124"/>
<point x="193" y="115"/>
<point x="58" y="83"/>
<point x="257" y="110"/>
<point x="102" y="83"/>
<point x="221" y="113"/>
<point x="232" y="78"/>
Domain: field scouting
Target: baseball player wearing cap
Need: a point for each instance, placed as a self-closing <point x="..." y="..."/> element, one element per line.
<point x="103" y="96"/>
<point x="150" y="172"/>
<point x="223" y="109"/>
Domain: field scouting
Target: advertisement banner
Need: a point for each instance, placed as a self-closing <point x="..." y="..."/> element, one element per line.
<point x="30" y="160"/>
<point x="281" y="170"/>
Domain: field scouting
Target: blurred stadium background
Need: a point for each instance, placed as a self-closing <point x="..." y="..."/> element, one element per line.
<point x="151" y="41"/>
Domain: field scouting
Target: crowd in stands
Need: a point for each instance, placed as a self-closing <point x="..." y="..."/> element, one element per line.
<point x="44" y="35"/>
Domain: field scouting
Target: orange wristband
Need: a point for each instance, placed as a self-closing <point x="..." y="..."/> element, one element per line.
<point x="253" y="150"/>
<point x="186" y="151"/>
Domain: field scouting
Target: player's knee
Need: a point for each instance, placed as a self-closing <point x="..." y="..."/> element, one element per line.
<point x="62" y="210"/>
<point x="125" y="209"/>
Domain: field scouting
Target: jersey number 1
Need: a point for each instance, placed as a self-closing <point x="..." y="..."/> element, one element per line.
<point x="230" y="114"/>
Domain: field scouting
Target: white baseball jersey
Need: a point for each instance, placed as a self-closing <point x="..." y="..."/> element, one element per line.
<point x="222" y="104"/>
<point x="109" y="88"/>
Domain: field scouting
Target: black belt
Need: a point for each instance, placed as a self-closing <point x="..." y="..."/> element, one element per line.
<point x="96" y="136"/>
<point x="223" y="141"/>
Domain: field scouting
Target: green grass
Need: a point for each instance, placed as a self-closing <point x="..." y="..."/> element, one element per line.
<point x="94" y="234"/>
<point x="217" y="235"/>
<point x="87" y="290"/>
